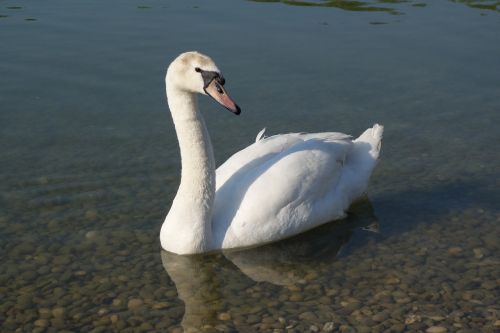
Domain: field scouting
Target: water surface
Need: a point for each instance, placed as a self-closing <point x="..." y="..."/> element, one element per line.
<point x="90" y="164"/>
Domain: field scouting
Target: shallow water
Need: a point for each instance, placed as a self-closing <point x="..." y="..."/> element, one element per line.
<point x="90" y="165"/>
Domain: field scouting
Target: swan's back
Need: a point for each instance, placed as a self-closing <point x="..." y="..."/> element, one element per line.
<point x="286" y="184"/>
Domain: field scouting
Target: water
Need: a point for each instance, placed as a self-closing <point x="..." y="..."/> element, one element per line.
<point x="90" y="165"/>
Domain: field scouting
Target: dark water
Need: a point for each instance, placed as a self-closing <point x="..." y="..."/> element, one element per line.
<point x="90" y="164"/>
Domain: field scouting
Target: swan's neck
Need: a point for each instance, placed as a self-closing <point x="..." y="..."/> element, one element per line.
<point x="187" y="228"/>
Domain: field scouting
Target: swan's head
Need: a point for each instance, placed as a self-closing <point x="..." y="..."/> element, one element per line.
<point x="194" y="72"/>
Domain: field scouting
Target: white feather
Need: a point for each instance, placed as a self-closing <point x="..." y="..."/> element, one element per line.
<point x="260" y="135"/>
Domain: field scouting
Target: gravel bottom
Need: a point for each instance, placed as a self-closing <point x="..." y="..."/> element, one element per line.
<point x="435" y="277"/>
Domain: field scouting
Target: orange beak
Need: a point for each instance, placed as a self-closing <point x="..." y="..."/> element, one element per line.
<point x="217" y="92"/>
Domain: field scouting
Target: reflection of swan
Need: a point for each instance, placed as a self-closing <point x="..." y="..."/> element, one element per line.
<point x="209" y="284"/>
<point x="276" y="188"/>
<point x="197" y="288"/>
<point x="290" y="261"/>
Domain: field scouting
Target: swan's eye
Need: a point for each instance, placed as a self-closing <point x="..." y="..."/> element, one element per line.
<point x="198" y="69"/>
<point x="219" y="89"/>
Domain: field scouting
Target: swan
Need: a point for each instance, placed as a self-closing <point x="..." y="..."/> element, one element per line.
<point x="275" y="188"/>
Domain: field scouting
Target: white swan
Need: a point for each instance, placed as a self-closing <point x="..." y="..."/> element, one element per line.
<point x="275" y="188"/>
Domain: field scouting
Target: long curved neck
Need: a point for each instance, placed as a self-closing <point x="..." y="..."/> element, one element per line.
<point x="187" y="228"/>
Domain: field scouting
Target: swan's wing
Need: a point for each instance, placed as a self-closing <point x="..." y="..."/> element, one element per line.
<point x="254" y="155"/>
<point x="266" y="148"/>
<point x="277" y="187"/>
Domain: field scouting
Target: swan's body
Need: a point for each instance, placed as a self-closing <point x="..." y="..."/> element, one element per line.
<point x="273" y="189"/>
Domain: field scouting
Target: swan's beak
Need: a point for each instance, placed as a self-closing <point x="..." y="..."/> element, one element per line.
<point x="217" y="92"/>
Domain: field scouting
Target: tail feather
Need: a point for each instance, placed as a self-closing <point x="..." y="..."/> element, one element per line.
<point x="361" y="161"/>
<point x="373" y="136"/>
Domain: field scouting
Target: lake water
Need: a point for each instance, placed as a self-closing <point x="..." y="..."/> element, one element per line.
<point x="90" y="164"/>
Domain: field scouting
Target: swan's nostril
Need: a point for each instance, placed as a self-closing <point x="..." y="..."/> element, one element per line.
<point x="219" y="89"/>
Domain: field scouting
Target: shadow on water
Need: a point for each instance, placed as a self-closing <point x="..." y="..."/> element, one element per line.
<point x="357" y="6"/>
<point x="380" y="5"/>
<point x="202" y="280"/>
<point x="480" y="4"/>
<point x="402" y="211"/>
